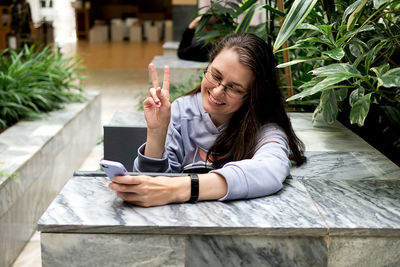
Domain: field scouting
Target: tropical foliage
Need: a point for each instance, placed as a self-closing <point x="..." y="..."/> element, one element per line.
<point x="345" y="59"/>
<point x="32" y="82"/>
<point x="355" y="56"/>
<point x="226" y="17"/>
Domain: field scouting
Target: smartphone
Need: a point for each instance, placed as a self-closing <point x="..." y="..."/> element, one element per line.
<point x="113" y="168"/>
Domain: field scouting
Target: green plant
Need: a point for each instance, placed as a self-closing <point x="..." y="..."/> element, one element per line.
<point x="176" y="89"/>
<point x="355" y="56"/>
<point x="179" y="89"/>
<point x="33" y="82"/>
<point x="226" y="17"/>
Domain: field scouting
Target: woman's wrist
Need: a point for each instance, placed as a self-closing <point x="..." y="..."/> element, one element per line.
<point x="182" y="189"/>
<point x="211" y="186"/>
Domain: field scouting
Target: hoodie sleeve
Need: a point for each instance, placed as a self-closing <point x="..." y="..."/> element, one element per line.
<point x="264" y="173"/>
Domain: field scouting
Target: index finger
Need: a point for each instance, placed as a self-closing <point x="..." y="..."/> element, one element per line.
<point x="166" y="78"/>
<point x="153" y="74"/>
<point x="126" y="179"/>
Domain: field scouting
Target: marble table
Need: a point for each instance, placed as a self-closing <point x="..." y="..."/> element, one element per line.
<point x="342" y="208"/>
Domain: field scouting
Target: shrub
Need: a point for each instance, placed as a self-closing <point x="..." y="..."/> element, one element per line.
<point x="33" y="82"/>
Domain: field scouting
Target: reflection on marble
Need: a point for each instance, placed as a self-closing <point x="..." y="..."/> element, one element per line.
<point x="326" y="137"/>
<point x="333" y="141"/>
<point x="358" y="207"/>
<point x="301" y="121"/>
<point x="346" y="165"/>
<point x="255" y="251"/>
<point x="112" y="250"/>
<point x="86" y="204"/>
<point x="364" y="251"/>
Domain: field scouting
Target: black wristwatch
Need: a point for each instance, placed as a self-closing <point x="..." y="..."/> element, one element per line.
<point x="194" y="193"/>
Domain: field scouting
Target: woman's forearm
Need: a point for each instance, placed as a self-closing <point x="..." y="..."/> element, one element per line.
<point x="211" y="186"/>
<point x="155" y="143"/>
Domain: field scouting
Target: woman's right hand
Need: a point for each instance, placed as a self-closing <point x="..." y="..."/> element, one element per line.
<point x="157" y="108"/>
<point x="157" y="112"/>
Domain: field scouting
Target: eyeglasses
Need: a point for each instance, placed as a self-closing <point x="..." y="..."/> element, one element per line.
<point x="228" y="90"/>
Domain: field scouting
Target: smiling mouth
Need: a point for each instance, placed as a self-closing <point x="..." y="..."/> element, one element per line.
<point x="214" y="100"/>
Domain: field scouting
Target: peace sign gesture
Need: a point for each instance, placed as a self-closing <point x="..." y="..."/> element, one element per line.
<point x="157" y="108"/>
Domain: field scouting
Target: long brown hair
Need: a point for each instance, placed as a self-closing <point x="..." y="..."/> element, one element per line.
<point x="263" y="104"/>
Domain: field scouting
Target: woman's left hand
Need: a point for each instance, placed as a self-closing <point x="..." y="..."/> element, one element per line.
<point x="147" y="191"/>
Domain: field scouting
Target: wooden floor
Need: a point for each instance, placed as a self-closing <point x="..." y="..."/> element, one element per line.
<point x="115" y="55"/>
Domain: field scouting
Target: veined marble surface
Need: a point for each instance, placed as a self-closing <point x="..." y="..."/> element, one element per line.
<point x="358" y="207"/>
<point x="364" y="251"/>
<point x="346" y="165"/>
<point x="255" y="251"/>
<point x="118" y="250"/>
<point x="86" y="204"/>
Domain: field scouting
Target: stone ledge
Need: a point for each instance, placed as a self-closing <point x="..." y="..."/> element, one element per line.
<point x="340" y="207"/>
<point x="181" y="70"/>
<point x="37" y="158"/>
<point x="170" y="48"/>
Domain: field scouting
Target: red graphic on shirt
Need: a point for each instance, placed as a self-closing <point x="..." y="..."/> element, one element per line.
<point x="203" y="155"/>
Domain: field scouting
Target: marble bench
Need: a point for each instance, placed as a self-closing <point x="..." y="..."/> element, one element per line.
<point x="37" y="157"/>
<point x="170" y="48"/>
<point x="181" y="70"/>
<point x="341" y="208"/>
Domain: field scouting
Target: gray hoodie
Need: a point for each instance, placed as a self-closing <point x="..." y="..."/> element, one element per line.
<point x="191" y="133"/>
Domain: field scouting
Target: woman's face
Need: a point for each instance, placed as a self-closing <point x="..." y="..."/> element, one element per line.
<point x="225" y="86"/>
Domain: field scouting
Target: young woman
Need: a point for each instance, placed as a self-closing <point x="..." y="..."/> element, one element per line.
<point x="235" y="121"/>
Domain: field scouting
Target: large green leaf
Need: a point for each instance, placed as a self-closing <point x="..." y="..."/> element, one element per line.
<point x="307" y="26"/>
<point x="329" y="106"/>
<point x="354" y="32"/>
<point x="337" y="69"/>
<point x="313" y="40"/>
<point x="373" y="53"/>
<point x="247" y="4"/>
<point x="341" y="93"/>
<point x="390" y="79"/>
<point x="356" y="14"/>
<point x="235" y="7"/>
<point x="380" y="70"/>
<point x="248" y="16"/>
<point x="274" y="10"/>
<point x="350" y="9"/>
<point x="355" y="95"/>
<point x="336" y="54"/>
<point x="360" y="110"/>
<point x="296" y="61"/>
<point x="321" y="86"/>
<point x="296" y="15"/>
<point x="378" y="3"/>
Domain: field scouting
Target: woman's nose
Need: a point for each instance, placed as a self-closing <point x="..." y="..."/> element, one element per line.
<point x="219" y="90"/>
